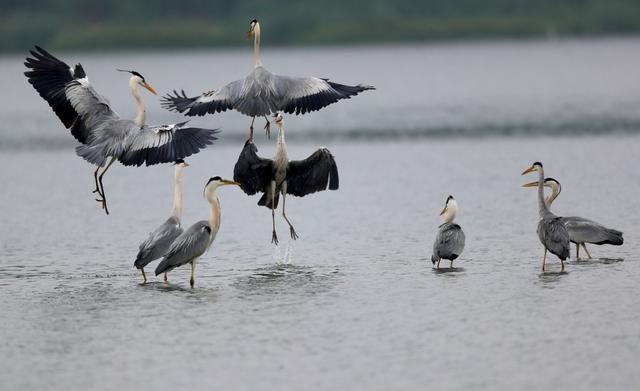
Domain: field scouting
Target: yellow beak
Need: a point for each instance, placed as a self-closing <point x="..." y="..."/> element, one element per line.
<point x="228" y="182"/>
<point x="528" y="170"/>
<point x="531" y="184"/>
<point x="249" y="34"/>
<point x="148" y="87"/>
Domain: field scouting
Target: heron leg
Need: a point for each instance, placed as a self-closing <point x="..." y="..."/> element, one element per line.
<point x="143" y="275"/>
<point x="165" y="277"/>
<point x="251" y="129"/>
<point x="438" y="264"/>
<point x="451" y="264"/>
<point x="267" y="127"/>
<point x="577" y="252"/>
<point x="544" y="258"/>
<point x="587" y="251"/>
<point x="95" y="177"/>
<point x="274" y="236"/>
<point x="104" y="198"/>
<point x="561" y="265"/>
<point x="294" y="235"/>
<point x="192" y="282"/>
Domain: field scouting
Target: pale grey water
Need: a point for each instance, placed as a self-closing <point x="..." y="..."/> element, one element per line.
<point x="354" y="303"/>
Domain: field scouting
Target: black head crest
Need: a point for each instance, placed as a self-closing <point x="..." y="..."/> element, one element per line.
<point x="253" y="21"/>
<point x="179" y="161"/>
<point x="537" y="164"/>
<point x="131" y="72"/>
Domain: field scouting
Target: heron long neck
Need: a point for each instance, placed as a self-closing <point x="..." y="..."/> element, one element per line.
<point x="256" y="44"/>
<point x="542" y="206"/>
<point x="214" y="214"/>
<point x="177" y="196"/>
<point x="140" y="113"/>
<point x="552" y="197"/>
<point x="281" y="147"/>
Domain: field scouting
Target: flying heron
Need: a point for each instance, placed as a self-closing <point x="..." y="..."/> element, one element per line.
<point x="276" y="176"/>
<point x="196" y="240"/>
<point x="158" y="242"/>
<point x="581" y="230"/>
<point x="449" y="241"/>
<point x="551" y="230"/>
<point x="262" y="93"/>
<point x="105" y="136"/>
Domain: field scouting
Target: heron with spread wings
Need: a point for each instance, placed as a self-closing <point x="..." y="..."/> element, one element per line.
<point x="104" y="135"/>
<point x="262" y="93"/>
<point x="276" y="176"/>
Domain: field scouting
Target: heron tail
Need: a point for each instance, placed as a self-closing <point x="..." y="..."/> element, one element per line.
<point x="614" y="237"/>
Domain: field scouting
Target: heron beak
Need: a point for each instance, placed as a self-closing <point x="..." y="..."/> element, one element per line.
<point x="250" y="34"/>
<point x="528" y="170"/>
<point x="228" y="182"/>
<point x="443" y="211"/>
<point x="531" y="184"/>
<point x="148" y="87"/>
<point x="186" y="164"/>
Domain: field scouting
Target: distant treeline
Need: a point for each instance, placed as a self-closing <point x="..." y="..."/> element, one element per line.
<point x="107" y="24"/>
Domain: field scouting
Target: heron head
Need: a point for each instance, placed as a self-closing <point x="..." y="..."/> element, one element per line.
<point x="181" y="163"/>
<point x="138" y="79"/>
<point x="278" y="119"/>
<point x="450" y="209"/>
<point x="548" y="182"/>
<point x="214" y="182"/>
<point x="252" y="27"/>
<point x="535" y="167"/>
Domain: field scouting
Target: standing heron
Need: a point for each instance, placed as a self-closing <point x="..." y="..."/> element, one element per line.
<point x="105" y="136"/>
<point x="196" y="240"/>
<point x="161" y="238"/>
<point x="449" y="241"/>
<point x="262" y="93"/>
<point x="551" y="230"/>
<point x="581" y="230"/>
<point x="278" y="176"/>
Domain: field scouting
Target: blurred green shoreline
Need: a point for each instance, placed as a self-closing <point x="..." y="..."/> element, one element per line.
<point x="157" y="24"/>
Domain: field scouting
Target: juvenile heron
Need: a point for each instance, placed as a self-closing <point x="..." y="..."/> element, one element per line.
<point x="581" y="230"/>
<point x="105" y="136"/>
<point x="262" y="93"/>
<point x="161" y="238"/>
<point x="195" y="241"/>
<point x="551" y="230"/>
<point x="276" y="176"/>
<point x="450" y="239"/>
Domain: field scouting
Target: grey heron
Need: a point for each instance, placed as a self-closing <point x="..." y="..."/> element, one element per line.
<point x="581" y="230"/>
<point x="450" y="239"/>
<point x="106" y="137"/>
<point x="551" y="230"/>
<point x="196" y="240"/>
<point x="278" y="176"/>
<point x="158" y="242"/>
<point x="262" y="93"/>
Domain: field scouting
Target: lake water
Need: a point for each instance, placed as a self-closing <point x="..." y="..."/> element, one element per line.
<point x="355" y="302"/>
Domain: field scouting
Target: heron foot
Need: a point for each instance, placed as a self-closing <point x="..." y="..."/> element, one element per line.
<point x="104" y="204"/>
<point x="294" y="235"/>
<point x="192" y="282"/>
<point x="165" y="278"/>
<point x="274" y="238"/>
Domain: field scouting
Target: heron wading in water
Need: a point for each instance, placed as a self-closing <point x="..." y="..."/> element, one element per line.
<point x="158" y="242"/>
<point x="450" y="239"/>
<point x="581" y="230"/>
<point x="551" y="229"/>
<point x="106" y="137"/>
<point x="196" y="240"/>
<point x="262" y="93"/>
<point x="276" y="176"/>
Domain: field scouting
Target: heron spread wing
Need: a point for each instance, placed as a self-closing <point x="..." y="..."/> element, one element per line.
<point x="158" y="242"/>
<point x="163" y="144"/>
<point x="191" y="244"/>
<point x="582" y="230"/>
<point x="251" y="171"/>
<point x="306" y="94"/>
<point x="312" y="174"/>
<point x="210" y="102"/>
<point x="51" y="78"/>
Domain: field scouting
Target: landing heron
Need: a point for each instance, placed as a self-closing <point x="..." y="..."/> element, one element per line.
<point x="106" y="137"/>
<point x="276" y="176"/>
<point x="262" y="93"/>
